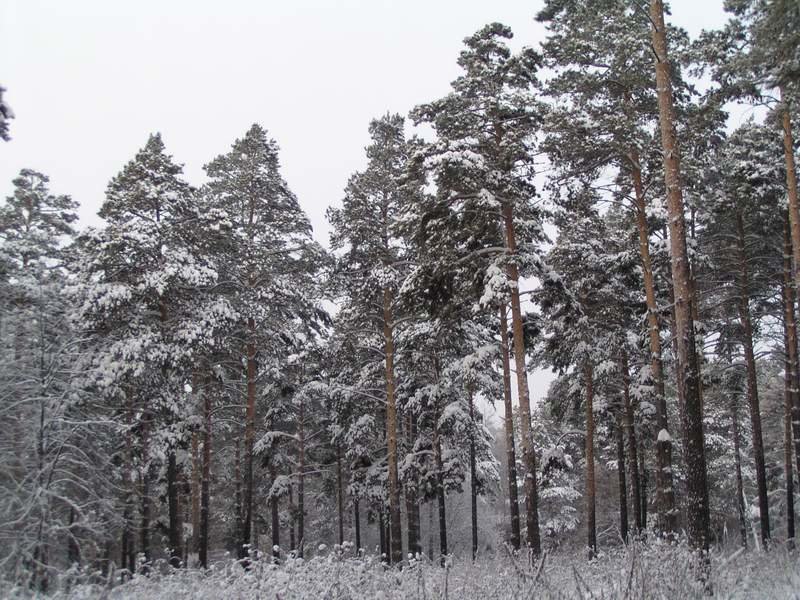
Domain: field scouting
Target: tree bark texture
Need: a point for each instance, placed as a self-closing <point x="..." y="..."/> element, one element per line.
<point x="630" y="435"/>
<point x="665" y="495"/>
<point x="528" y="451"/>
<point x="697" y="510"/>
<point x="591" y="530"/>
<point x="791" y="184"/>
<point x="752" y="382"/>
<point x="511" y="454"/>
<point x="396" y="551"/>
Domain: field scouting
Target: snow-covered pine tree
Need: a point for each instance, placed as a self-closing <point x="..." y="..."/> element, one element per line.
<point x="755" y="57"/>
<point x="604" y="117"/>
<point x="269" y="262"/>
<point x="56" y="493"/>
<point x="370" y="270"/>
<point x="590" y="311"/>
<point x="744" y="219"/>
<point x="142" y="297"/>
<point x="697" y="510"/>
<point x="482" y="165"/>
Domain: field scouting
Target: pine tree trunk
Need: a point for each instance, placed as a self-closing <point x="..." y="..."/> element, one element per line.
<point x="145" y="491"/>
<point x="665" y="496"/>
<point x="528" y="451"/>
<point x="697" y="510"/>
<point x="787" y="442"/>
<point x="249" y="439"/>
<point x="128" y="556"/>
<point x="791" y="341"/>
<point x="340" y="493"/>
<point x="752" y="382"/>
<point x="196" y="469"/>
<point x="473" y="474"/>
<point x="205" y="485"/>
<point x="591" y="531"/>
<point x="511" y="454"/>
<point x="195" y="491"/>
<point x="292" y="521"/>
<point x="440" y="496"/>
<point x="276" y="523"/>
<point x="644" y="479"/>
<point x="185" y="489"/>
<point x="396" y="554"/>
<point x="737" y="458"/>
<point x="382" y="535"/>
<point x="623" y="484"/>
<point x="388" y="536"/>
<point x="430" y="529"/>
<point x="173" y="510"/>
<point x="412" y="508"/>
<point x="357" y="523"/>
<point x="630" y="430"/>
<point x="237" y="501"/>
<point x="301" y="480"/>
<point x="791" y="183"/>
<point x="124" y="541"/>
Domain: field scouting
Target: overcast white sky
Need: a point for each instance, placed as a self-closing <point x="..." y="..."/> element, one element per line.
<point x="90" y="80"/>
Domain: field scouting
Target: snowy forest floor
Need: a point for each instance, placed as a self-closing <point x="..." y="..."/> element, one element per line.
<point x="638" y="572"/>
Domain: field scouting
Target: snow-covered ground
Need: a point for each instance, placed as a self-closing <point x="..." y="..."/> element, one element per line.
<point x="640" y="572"/>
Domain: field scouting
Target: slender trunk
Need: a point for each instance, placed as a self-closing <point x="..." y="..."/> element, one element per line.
<point x="340" y="493"/>
<point x="791" y="183"/>
<point x="787" y="441"/>
<point x="276" y="524"/>
<point x="591" y="531"/>
<point x="440" y="496"/>
<point x="644" y="479"/>
<point x="528" y="451"/>
<point x="145" y="491"/>
<point x="430" y="529"/>
<point x="628" y="425"/>
<point x="752" y="382"/>
<point x="737" y="458"/>
<point x="173" y="510"/>
<point x="697" y="511"/>
<point x="412" y="508"/>
<point x="237" y="501"/>
<point x="205" y="486"/>
<point x="673" y="331"/>
<point x="511" y="454"/>
<point x="249" y="438"/>
<point x="791" y="341"/>
<point x="195" y="490"/>
<point x="185" y="487"/>
<point x="292" y="520"/>
<point x="396" y="554"/>
<point x="124" y="549"/>
<point x="473" y="474"/>
<point x="128" y="557"/>
<point x="301" y="480"/>
<point x="357" y="522"/>
<point x="196" y="469"/>
<point x="388" y="535"/>
<point x="665" y="496"/>
<point x="623" y="484"/>
<point x="382" y="535"/>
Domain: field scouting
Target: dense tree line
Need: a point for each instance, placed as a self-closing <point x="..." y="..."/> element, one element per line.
<point x="199" y="374"/>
